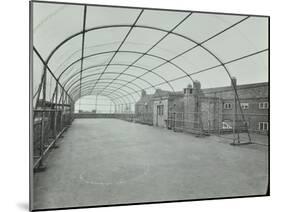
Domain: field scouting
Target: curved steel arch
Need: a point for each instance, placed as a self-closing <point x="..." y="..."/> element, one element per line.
<point x="103" y="82"/>
<point x="121" y="94"/>
<point x="87" y="85"/>
<point x="127" y="75"/>
<point x="141" y="26"/>
<point x="115" y="96"/>
<point x="132" y="52"/>
<point x="124" y="92"/>
<point x="91" y="67"/>
<point x="116" y="74"/>
<point x="118" y="64"/>
<point x="94" y="74"/>
<point x="121" y="80"/>
<point x="112" y="100"/>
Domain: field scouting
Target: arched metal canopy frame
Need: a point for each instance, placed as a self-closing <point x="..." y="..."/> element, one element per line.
<point x="134" y="25"/>
<point x="118" y="81"/>
<point x="116" y="97"/>
<point x="126" y="65"/>
<point x="115" y="103"/>
<point x="159" y="29"/>
<point x="119" y="95"/>
<point x="132" y="52"/>
<point x="104" y="81"/>
<point x="123" y="92"/>
<point x="121" y="98"/>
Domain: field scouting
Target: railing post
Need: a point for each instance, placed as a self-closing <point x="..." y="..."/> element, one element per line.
<point x="55" y="113"/>
<point x="41" y="166"/>
<point x="61" y="112"/>
<point x="55" y="118"/>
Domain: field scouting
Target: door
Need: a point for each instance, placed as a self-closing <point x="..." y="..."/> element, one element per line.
<point x="160" y="116"/>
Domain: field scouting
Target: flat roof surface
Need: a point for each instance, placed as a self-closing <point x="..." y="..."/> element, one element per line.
<point x="110" y="161"/>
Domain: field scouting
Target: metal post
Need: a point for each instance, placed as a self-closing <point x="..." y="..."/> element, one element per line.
<point x="234" y="119"/>
<point x="41" y="166"/>
<point x="42" y="136"/>
<point x="62" y="109"/>
<point x="55" y="115"/>
<point x="233" y="81"/>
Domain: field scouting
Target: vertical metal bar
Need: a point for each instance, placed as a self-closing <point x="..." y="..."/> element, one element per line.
<point x="55" y="112"/>
<point x="62" y="110"/>
<point x="82" y="49"/>
<point x="44" y="88"/>
<point x="234" y="112"/>
<point x="42" y="138"/>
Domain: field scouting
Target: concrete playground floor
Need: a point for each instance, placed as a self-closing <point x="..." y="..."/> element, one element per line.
<point x="110" y="161"/>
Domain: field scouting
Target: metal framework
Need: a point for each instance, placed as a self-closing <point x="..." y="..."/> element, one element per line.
<point x="154" y="44"/>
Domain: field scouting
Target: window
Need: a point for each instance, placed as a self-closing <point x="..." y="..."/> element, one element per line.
<point x="160" y="110"/>
<point x="244" y="106"/>
<point x="263" y="105"/>
<point x="263" y="125"/>
<point x="227" y="106"/>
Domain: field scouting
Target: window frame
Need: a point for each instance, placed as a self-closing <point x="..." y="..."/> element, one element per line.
<point x="263" y="124"/>
<point x="263" y="105"/>
<point x="227" y="108"/>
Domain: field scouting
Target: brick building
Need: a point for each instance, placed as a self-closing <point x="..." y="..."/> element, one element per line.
<point x="144" y="109"/>
<point x="212" y="110"/>
<point x="254" y="105"/>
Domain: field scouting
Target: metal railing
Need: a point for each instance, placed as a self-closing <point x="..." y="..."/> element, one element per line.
<point x="221" y="124"/>
<point x="48" y="127"/>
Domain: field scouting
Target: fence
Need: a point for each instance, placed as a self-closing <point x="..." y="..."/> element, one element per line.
<point x="52" y="108"/>
<point x="242" y="128"/>
<point x="48" y="126"/>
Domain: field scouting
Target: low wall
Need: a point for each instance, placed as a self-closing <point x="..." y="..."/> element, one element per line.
<point x="125" y="116"/>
